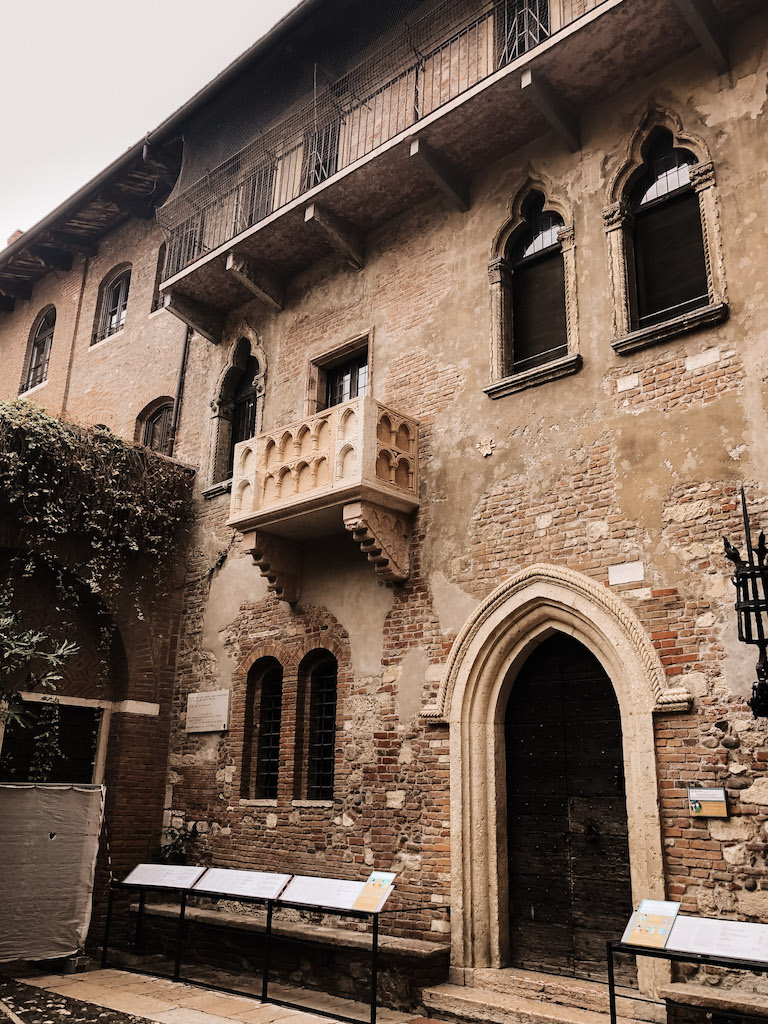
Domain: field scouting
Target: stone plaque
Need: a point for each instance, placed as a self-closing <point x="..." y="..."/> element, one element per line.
<point x="208" y="711"/>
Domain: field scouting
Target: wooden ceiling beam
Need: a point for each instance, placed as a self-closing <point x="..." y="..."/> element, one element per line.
<point x="129" y="204"/>
<point x="7" y="303"/>
<point x="52" y="257"/>
<point x="18" y="289"/>
<point x="74" y="243"/>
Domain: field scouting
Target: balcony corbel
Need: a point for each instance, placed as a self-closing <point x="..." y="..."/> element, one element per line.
<point x="383" y="535"/>
<point x="707" y="28"/>
<point x="263" y="284"/>
<point x="558" y="113"/>
<point x="451" y="182"/>
<point x="198" y="315"/>
<point x="346" y="239"/>
<point x="279" y="562"/>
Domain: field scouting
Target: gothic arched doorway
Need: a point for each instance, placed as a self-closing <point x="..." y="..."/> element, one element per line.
<point x="568" y="845"/>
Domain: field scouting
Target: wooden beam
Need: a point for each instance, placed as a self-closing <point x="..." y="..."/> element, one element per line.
<point x="129" y="204"/>
<point x="18" y="289"/>
<point x="261" y="282"/>
<point x="706" y="26"/>
<point x="200" y="317"/>
<point x="74" y="243"/>
<point x="452" y="183"/>
<point x="56" y="259"/>
<point x="346" y="239"/>
<point x="7" y="303"/>
<point x="557" y="111"/>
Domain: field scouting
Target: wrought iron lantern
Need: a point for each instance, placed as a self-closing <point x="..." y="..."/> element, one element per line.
<point x="750" y="578"/>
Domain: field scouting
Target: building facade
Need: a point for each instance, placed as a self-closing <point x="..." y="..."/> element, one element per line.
<point x="458" y="313"/>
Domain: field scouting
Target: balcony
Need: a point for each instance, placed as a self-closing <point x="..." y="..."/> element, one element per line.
<point x="353" y="467"/>
<point x="419" y="116"/>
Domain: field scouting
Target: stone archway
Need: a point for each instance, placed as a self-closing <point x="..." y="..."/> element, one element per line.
<point x="472" y="698"/>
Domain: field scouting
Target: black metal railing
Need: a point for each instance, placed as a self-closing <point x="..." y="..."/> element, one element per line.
<point x="351" y="118"/>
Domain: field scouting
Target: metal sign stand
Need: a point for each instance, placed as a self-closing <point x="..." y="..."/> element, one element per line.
<point x="270" y="904"/>
<point x="705" y="959"/>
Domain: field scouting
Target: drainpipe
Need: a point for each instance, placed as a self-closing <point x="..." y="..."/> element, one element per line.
<point x="65" y="398"/>
<point x="179" y="391"/>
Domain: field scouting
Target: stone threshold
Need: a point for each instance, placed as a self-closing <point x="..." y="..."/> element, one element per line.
<point x="321" y="935"/>
<point x="731" y="1000"/>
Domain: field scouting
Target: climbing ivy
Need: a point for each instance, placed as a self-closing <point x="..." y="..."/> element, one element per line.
<point x="121" y="505"/>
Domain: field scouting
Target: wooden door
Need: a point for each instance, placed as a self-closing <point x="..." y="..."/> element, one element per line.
<point x="569" y="884"/>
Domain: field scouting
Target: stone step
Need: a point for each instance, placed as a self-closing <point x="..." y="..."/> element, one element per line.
<point x="551" y="988"/>
<point x="473" y="1005"/>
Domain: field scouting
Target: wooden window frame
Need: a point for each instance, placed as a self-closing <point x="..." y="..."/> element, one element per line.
<point x="40" y="343"/>
<point x="118" y="280"/>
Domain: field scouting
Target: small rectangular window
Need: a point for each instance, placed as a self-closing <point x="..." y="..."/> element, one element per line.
<point x="346" y="381"/>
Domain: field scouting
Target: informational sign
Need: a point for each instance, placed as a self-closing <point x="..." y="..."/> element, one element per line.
<point x="227" y="882"/>
<point x="651" y="924"/>
<point x="375" y="891"/>
<point x="169" y="876"/>
<point x="707" y="803"/>
<point x="713" y="937"/>
<point x="323" y="892"/>
<point x="208" y="711"/>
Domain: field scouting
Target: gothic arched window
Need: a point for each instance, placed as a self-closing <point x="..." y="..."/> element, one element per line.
<point x="40" y="351"/>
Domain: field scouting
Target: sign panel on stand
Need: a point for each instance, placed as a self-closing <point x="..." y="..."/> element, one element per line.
<point x="168" y="876"/>
<point x="712" y="937"/>
<point x="651" y="924"/>
<point x="229" y="882"/>
<point x="322" y="892"/>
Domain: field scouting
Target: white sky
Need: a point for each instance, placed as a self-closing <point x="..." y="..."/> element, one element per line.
<point x="82" y="80"/>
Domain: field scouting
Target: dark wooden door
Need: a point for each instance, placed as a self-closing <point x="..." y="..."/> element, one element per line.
<point x="569" y="886"/>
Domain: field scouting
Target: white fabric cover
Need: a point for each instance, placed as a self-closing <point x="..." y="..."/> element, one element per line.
<point x="49" y="839"/>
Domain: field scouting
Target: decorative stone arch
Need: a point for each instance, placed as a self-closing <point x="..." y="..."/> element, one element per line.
<point x="617" y="218"/>
<point x="484" y="661"/>
<point x="500" y="280"/>
<point x="244" y="342"/>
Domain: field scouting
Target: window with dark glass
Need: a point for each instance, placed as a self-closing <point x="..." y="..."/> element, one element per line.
<point x="347" y="380"/>
<point x="322" y="729"/>
<point x="670" y="273"/>
<point x="114" y="305"/>
<point x="539" y="326"/>
<point x="244" y="409"/>
<point x="157" y="427"/>
<point x="40" y="352"/>
<point x="157" y="298"/>
<point x="268" y="750"/>
<point x="72" y="756"/>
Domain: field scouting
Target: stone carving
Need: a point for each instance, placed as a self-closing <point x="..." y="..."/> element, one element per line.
<point x="666" y="698"/>
<point x="278" y="561"/>
<point x="383" y="535"/>
<point x="486" y="446"/>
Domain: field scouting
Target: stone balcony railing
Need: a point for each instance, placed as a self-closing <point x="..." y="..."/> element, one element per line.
<point x="353" y="466"/>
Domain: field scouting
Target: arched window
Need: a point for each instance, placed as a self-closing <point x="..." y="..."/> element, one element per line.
<point x="539" y="332"/>
<point x="261" y="749"/>
<point x="40" y="351"/>
<point x="157" y="427"/>
<point x="316" y="746"/>
<point x="157" y="298"/>
<point x="243" y="409"/>
<point x="113" y="305"/>
<point x="670" y="273"/>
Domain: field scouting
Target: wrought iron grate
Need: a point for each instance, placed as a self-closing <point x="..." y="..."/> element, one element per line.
<point x="268" y="756"/>
<point x="322" y="731"/>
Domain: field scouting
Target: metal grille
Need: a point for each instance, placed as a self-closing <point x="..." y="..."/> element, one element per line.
<point x="427" y="63"/>
<point x="322" y="731"/>
<point x="41" y="352"/>
<point x="268" y="758"/>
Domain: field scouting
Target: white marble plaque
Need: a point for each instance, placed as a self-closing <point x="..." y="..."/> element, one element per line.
<point x="738" y="939"/>
<point x="335" y="893"/>
<point x="228" y="882"/>
<point x="169" y="876"/>
<point x="208" y="711"/>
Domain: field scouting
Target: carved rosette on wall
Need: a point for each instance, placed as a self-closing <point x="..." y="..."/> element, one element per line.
<point x="279" y="562"/>
<point x="383" y="535"/>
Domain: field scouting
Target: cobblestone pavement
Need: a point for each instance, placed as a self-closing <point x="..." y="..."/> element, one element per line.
<point x="121" y="997"/>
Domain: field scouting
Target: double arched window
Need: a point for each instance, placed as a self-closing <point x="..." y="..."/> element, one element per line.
<point x="315" y="696"/>
<point x="39" y="350"/>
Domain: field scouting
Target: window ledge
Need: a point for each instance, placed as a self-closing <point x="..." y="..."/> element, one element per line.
<point x="32" y="390"/>
<point x="256" y="803"/>
<point x="103" y="341"/>
<point x="715" y="313"/>
<point x="562" y="367"/>
<point x="222" y="487"/>
<point x="154" y="312"/>
<point x="311" y="803"/>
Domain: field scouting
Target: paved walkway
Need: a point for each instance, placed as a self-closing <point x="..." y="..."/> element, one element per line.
<point x="168" y="1002"/>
